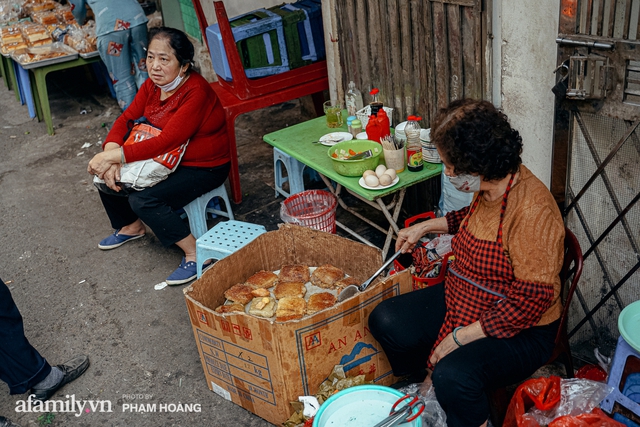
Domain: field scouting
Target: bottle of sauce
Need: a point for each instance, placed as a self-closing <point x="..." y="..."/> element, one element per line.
<point x="414" y="147"/>
<point x="375" y="104"/>
<point x="353" y="99"/>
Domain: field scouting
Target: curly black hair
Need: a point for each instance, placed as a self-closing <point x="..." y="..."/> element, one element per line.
<point x="475" y="138"/>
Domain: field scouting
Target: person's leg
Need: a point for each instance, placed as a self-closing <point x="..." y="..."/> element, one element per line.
<point x="463" y="377"/>
<point x="157" y="205"/>
<point x="120" y="214"/>
<point x="21" y="366"/>
<point x="115" y="52"/>
<point x="406" y="326"/>
<point x="138" y="53"/>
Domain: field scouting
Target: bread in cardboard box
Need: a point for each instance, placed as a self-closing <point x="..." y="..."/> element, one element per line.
<point x="263" y="307"/>
<point x="290" y="289"/>
<point x="263" y="279"/>
<point x="326" y="275"/>
<point x="294" y="273"/>
<point x="231" y="308"/>
<point x="320" y="301"/>
<point x="240" y="293"/>
<point x="290" y="308"/>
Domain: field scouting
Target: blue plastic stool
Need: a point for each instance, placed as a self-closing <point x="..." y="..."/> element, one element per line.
<point x="197" y="210"/>
<point x="224" y="239"/>
<point x="623" y="352"/>
<point x="295" y="170"/>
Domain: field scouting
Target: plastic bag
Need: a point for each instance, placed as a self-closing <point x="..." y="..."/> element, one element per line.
<point x="539" y="401"/>
<point x="595" y="418"/>
<point x="433" y="414"/>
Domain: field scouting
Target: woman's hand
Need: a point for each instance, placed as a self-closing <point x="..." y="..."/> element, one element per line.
<point x="446" y="346"/>
<point x="408" y="237"/>
<point x="112" y="176"/>
<point x="101" y="162"/>
<point x="464" y="335"/>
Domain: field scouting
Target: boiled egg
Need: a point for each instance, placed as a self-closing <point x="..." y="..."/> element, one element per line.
<point x="391" y="173"/>
<point x="371" y="180"/>
<point x="380" y="170"/>
<point x="367" y="173"/>
<point x="385" y="179"/>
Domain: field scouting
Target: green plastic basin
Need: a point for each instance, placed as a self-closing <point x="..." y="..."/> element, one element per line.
<point x="354" y="167"/>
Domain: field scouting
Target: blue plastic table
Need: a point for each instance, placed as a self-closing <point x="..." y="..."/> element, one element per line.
<point x="296" y="141"/>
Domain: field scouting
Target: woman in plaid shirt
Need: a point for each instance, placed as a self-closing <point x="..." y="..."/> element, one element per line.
<point x="493" y="321"/>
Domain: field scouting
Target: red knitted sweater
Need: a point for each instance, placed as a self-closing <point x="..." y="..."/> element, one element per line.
<point x="192" y="113"/>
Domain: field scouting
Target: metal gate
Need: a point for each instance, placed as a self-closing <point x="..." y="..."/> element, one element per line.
<point x="596" y="172"/>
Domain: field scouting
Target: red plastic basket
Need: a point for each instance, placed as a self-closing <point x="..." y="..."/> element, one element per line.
<point x="425" y="282"/>
<point x="311" y="208"/>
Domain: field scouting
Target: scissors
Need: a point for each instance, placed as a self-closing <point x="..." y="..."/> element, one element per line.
<point x="412" y="408"/>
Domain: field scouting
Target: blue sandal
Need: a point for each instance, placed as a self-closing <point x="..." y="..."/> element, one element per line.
<point x="186" y="272"/>
<point x="117" y="240"/>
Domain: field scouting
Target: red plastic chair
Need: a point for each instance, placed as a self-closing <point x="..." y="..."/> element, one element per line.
<point x="242" y="95"/>
<point x="570" y="274"/>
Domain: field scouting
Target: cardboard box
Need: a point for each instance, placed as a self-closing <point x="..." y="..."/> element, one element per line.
<point x="263" y="365"/>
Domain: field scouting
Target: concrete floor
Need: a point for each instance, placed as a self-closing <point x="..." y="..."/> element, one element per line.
<point x="77" y="299"/>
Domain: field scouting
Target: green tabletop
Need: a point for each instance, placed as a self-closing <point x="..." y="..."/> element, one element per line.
<point x="296" y="141"/>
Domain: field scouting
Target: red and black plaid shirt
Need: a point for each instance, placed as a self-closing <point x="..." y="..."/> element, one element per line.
<point x="502" y="303"/>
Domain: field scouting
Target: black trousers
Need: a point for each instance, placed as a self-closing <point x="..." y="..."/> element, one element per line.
<point x="21" y="366"/>
<point x="407" y="326"/>
<point x="156" y="206"/>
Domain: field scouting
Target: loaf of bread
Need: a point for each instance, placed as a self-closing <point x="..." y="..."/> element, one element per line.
<point x="263" y="307"/>
<point x="290" y="308"/>
<point x="326" y="275"/>
<point x="290" y="289"/>
<point x="294" y="273"/>
<point x="263" y="279"/>
<point x="320" y="301"/>
<point x="231" y="308"/>
<point x="240" y="293"/>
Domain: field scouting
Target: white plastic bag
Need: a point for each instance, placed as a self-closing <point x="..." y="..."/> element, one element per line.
<point x="433" y="414"/>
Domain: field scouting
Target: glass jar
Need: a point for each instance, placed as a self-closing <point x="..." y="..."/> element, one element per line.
<point x="414" y="146"/>
<point x="356" y="127"/>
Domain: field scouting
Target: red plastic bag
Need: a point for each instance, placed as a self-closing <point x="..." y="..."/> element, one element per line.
<point x="542" y="392"/>
<point x="595" y="418"/>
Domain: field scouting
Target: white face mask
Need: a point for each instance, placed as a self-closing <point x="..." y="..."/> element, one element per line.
<point x="174" y="84"/>
<point x="466" y="183"/>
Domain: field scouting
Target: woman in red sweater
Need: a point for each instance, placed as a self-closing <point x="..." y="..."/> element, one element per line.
<point x="179" y="101"/>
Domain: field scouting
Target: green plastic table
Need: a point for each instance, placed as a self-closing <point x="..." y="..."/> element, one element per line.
<point x="39" y="86"/>
<point x="296" y="141"/>
<point x="10" y="75"/>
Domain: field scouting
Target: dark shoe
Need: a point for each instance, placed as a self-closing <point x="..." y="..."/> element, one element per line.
<point x="116" y="240"/>
<point x="413" y="378"/>
<point x="71" y="369"/>
<point x="7" y="423"/>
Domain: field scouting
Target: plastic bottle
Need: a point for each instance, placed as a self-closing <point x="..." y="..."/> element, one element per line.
<point x="414" y="147"/>
<point x="353" y="99"/>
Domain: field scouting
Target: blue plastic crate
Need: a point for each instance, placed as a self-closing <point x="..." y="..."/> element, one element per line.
<point x="305" y="34"/>
<point x="314" y="11"/>
<point x="255" y="28"/>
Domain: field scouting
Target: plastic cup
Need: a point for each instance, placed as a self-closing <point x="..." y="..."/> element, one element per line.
<point x="333" y="113"/>
<point x="395" y="159"/>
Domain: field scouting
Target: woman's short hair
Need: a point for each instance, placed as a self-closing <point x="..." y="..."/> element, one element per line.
<point x="178" y="40"/>
<point x="475" y="138"/>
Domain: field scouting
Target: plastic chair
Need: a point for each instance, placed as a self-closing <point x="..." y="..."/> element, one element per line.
<point x="618" y="374"/>
<point x="197" y="210"/>
<point x="224" y="239"/>
<point x="295" y="173"/>
<point x="242" y="95"/>
<point x="570" y="273"/>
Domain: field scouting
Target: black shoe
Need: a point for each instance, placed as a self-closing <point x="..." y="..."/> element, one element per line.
<point x="413" y="378"/>
<point x="71" y="369"/>
<point x="7" y="423"/>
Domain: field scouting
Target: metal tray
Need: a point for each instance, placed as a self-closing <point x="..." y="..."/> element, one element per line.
<point x="89" y="55"/>
<point x="70" y="55"/>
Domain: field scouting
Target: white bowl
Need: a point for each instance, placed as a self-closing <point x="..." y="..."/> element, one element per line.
<point x="362" y="135"/>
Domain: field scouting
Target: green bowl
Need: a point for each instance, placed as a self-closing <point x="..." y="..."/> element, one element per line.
<point x="354" y="167"/>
